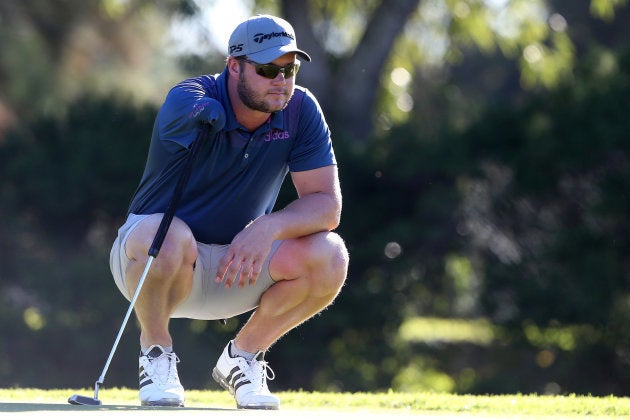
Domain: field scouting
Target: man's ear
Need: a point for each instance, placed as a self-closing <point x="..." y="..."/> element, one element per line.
<point x="234" y="66"/>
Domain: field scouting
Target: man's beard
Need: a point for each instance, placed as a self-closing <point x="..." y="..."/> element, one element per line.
<point x="252" y="100"/>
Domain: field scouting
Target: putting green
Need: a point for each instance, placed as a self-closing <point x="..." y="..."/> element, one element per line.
<point x="71" y="412"/>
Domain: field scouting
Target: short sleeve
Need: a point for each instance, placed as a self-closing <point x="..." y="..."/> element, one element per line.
<point x="313" y="148"/>
<point x="182" y="112"/>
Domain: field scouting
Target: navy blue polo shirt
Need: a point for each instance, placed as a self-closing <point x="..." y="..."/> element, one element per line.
<point x="237" y="174"/>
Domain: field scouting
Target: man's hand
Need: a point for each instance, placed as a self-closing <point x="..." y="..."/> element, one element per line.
<point x="317" y="209"/>
<point x="243" y="261"/>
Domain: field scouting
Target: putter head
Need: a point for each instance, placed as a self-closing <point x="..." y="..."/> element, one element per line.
<point x="83" y="400"/>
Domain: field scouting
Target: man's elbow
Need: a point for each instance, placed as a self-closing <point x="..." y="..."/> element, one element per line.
<point x="335" y="216"/>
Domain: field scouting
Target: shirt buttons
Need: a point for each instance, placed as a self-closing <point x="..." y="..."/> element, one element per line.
<point x="246" y="155"/>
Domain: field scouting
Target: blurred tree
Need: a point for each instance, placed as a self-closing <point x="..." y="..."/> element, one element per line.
<point x="345" y="73"/>
<point x="517" y="214"/>
<point x="405" y="39"/>
<point x="366" y="53"/>
<point x="54" y="51"/>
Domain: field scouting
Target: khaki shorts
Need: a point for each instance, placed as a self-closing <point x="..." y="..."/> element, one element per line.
<point x="207" y="299"/>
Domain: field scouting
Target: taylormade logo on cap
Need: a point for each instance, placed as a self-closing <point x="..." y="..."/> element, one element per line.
<point x="259" y="38"/>
<point x="263" y="38"/>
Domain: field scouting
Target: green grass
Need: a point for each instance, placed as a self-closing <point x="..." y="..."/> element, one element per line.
<point x="528" y="406"/>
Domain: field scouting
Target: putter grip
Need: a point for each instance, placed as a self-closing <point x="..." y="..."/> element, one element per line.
<point x="167" y="218"/>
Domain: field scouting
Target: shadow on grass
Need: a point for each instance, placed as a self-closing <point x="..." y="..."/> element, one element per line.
<point x="28" y="407"/>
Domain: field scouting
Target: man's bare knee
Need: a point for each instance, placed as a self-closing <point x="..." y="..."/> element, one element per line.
<point x="319" y="262"/>
<point x="336" y="264"/>
<point x="326" y="263"/>
<point x="178" y="249"/>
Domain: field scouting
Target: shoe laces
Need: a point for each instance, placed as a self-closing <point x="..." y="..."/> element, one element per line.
<point x="163" y="368"/>
<point x="258" y="371"/>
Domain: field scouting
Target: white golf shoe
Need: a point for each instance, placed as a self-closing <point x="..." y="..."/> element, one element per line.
<point x="246" y="380"/>
<point x="159" y="382"/>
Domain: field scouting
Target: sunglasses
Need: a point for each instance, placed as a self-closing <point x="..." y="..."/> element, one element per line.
<point x="270" y="71"/>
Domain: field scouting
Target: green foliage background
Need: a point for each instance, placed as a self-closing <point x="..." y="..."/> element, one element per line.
<point x="521" y="220"/>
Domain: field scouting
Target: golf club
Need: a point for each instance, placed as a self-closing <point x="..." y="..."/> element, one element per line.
<point x="215" y="124"/>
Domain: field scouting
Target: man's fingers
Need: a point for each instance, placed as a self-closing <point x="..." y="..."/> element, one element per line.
<point x="224" y="263"/>
<point x="232" y="274"/>
<point x="255" y="272"/>
<point x="239" y="267"/>
<point x="239" y="274"/>
<point x="248" y="273"/>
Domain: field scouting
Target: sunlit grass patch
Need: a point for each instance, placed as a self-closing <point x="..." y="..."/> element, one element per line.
<point x="478" y="331"/>
<point x="495" y="406"/>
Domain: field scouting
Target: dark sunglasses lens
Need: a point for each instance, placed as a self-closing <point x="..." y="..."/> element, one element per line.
<point x="291" y="70"/>
<point x="267" y="70"/>
<point x="270" y="71"/>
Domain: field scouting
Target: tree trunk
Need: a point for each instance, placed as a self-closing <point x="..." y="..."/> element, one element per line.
<point x="348" y="90"/>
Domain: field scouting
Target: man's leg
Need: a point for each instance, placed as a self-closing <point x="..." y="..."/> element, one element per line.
<point x="309" y="273"/>
<point x="168" y="283"/>
<point x="169" y="280"/>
